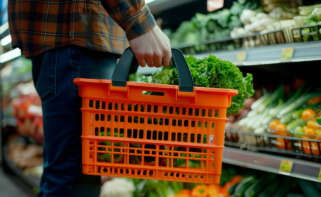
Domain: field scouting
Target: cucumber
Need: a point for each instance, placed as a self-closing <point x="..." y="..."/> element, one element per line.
<point x="283" y="190"/>
<point x="294" y="195"/>
<point x="258" y="186"/>
<point x="231" y="189"/>
<point x="308" y="188"/>
<point x="243" y="185"/>
<point x="270" y="190"/>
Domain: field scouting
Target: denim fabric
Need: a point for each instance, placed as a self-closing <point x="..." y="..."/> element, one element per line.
<point x="53" y="74"/>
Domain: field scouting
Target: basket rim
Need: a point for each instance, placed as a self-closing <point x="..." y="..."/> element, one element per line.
<point x="86" y="81"/>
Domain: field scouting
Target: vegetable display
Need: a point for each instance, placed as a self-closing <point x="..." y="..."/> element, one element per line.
<point x="234" y="183"/>
<point x="28" y="113"/>
<point x="295" y="114"/>
<point x="248" y="18"/>
<point x="211" y="26"/>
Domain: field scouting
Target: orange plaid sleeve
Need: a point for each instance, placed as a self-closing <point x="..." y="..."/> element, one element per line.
<point x="132" y="15"/>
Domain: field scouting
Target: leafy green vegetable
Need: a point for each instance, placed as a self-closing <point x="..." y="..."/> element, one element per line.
<point x="154" y="188"/>
<point x="215" y="73"/>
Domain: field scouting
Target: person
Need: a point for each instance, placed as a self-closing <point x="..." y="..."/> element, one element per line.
<point x="78" y="38"/>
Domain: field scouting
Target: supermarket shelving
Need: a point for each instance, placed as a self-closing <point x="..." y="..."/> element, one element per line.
<point x="271" y="55"/>
<point x="270" y="163"/>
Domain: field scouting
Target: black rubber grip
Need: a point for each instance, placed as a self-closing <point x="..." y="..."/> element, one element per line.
<point x="128" y="61"/>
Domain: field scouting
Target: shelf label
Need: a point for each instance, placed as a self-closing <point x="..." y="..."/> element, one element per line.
<point x="287" y="53"/>
<point x="213" y="5"/>
<point x="240" y="57"/>
<point x="319" y="177"/>
<point x="286" y="166"/>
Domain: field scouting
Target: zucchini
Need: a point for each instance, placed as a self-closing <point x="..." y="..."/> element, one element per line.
<point x="231" y="189"/>
<point x="259" y="185"/>
<point x="270" y="190"/>
<point x="243" y="185"/>
<point x="308" y="188"/>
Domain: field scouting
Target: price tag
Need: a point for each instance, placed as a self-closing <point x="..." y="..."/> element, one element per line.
<point x="240" y="57"/>
<point x="286" y="166"/>
<point x="287" y="53"/>
<point x="319" y="177"/>
<point x="213" y="5"/>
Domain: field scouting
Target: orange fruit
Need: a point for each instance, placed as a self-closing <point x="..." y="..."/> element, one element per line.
<point x="313" y="124"/>
<point x="273" y="124"/>
<point x="308" y="114"/>
<point x="281" y="129"/>
<point x="200" y="191"/>
<point x="309" y="132"/>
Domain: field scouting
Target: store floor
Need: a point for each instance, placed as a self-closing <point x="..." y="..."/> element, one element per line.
<point x="8" y="188"/>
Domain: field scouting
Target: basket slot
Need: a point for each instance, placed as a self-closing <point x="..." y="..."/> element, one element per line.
<point x="152" y="128"/>
<point x="154" y="93"/>
<point x="154" y="155"/>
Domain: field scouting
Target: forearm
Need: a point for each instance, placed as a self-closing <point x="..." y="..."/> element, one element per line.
<point x="132" y="15"/>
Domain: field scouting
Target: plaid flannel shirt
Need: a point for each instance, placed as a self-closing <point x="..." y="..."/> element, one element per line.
<point x="104" y="25"/>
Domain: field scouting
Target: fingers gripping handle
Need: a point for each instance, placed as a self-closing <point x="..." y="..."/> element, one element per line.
<point x="128" y="60"/>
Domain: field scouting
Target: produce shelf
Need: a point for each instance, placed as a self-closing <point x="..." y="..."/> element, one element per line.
<point x="273" y="54"/>
<point x="292" y="146"/>
<point x="275" y="164"/>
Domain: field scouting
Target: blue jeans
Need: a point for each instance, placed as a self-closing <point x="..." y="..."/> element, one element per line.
<point x="53" y="74"/>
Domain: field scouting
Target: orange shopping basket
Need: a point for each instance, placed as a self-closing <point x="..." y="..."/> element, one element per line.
<point x="153" y="131"/>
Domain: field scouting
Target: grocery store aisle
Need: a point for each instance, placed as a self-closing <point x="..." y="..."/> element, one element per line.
<point x="8" y="188"/>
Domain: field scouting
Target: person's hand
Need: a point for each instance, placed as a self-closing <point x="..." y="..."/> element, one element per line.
<point x="152" y="48"/>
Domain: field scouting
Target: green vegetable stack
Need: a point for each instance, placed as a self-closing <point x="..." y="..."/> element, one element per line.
<point x="210" y="72"/>
<point x="217" y="25"/>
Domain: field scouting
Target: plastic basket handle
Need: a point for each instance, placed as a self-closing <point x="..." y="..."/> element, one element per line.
<point x="128" y="60"/>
